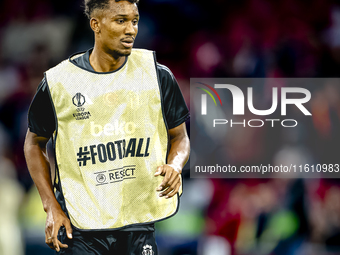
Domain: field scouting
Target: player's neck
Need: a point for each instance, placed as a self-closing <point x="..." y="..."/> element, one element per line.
<point x="105" y="62"/>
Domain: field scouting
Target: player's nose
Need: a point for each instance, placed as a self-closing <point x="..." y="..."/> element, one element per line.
<point x="130" y="29"/>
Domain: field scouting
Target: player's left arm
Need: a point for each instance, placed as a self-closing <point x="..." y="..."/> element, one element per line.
<point x="178" y="156"/>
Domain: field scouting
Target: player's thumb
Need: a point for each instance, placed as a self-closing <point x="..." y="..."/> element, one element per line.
<point x="159" y="170"/>
<point x="68" y="229"/>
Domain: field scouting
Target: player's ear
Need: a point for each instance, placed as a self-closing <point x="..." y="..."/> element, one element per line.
<point x="95" y="24"/>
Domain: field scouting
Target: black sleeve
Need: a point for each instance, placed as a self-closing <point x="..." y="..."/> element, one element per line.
<point x="175" y="110"/>
<point x="41" y="120"/>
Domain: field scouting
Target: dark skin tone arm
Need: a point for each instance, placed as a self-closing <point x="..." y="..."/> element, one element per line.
<point x="39" y="168"/>
<point x="178" y="156"/>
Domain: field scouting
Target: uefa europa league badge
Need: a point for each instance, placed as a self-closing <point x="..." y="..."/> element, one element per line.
<point x="78" y="100"/>
<point x="147" y="250"/>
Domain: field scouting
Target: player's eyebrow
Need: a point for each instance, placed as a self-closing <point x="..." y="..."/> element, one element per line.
<point x="125" y="15"/>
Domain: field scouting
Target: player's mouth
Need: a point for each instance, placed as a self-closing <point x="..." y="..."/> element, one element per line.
<point x="127" y="42"/>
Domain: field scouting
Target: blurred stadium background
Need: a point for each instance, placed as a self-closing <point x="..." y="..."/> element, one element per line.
<point x="216" y="38"/>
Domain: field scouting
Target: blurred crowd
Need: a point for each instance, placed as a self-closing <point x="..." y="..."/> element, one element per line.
<point x="216" y="38"/>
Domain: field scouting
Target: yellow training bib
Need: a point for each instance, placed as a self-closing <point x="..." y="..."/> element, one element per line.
<point x="110" y="138"/>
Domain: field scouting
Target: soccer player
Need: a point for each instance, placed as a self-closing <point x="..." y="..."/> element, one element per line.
<point x="117" y="122"/>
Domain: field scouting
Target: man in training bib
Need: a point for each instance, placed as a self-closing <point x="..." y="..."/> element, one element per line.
<point x="117" y="121"/>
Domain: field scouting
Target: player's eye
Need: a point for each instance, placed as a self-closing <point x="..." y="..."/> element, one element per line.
<point x="135" y="22"/>
<point x="120" y="21"/>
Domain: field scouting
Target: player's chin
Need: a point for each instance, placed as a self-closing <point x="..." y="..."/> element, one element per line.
<point x="122" y="52"/>
<point x="126" y="52"/>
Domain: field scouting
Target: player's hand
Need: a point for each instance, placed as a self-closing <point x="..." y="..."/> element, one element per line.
<point x="171" y="182"/>
<point x="56" y="218"/>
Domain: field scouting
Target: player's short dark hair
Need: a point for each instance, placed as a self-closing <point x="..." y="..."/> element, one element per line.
<point x="91" y="5"/>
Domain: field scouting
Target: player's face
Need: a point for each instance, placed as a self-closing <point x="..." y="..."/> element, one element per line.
<point x="119" y="27"/>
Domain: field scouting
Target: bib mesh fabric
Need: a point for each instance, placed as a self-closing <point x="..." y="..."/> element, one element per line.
<point x="110" y="138"/>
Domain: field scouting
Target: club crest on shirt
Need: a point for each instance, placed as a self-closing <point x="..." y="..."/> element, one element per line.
<point x="147" y="250"/>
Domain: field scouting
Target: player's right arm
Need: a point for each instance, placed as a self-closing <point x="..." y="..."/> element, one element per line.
<point x="41" y="122"/>
<point x="39" y="168"/>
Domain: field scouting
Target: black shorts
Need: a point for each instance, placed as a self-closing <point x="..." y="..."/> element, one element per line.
<point x="109" y="242"/>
